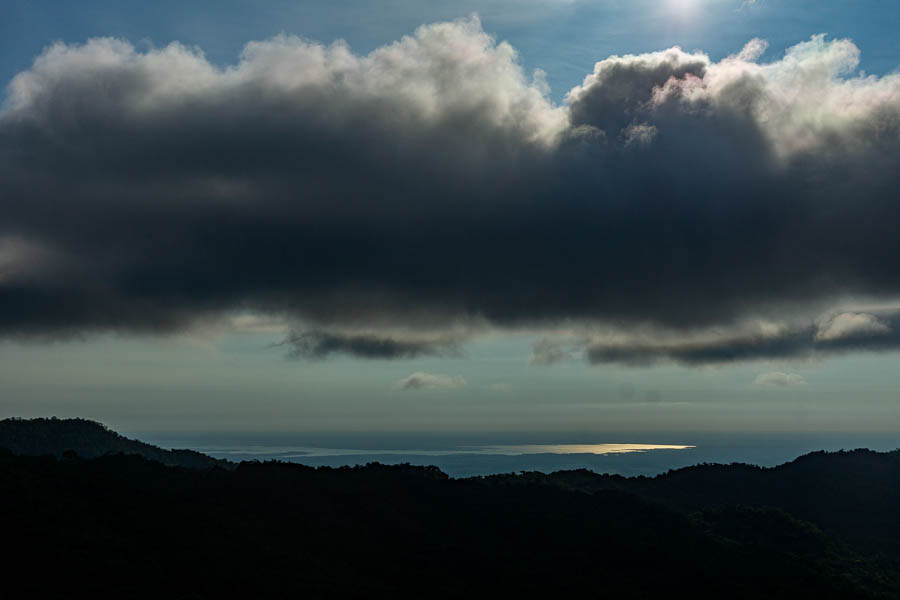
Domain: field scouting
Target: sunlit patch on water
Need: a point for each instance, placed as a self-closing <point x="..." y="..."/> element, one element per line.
<point x="300" y="452"/>
<point x="512" y="450"/>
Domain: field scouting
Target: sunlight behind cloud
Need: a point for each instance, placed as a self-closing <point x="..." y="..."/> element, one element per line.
<point x="682" y="9"/>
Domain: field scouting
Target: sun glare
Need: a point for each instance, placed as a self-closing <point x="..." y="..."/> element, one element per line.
<point x="682" y="9"/>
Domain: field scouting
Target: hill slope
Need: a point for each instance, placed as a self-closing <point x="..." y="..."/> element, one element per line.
<point x="855" y="494"/>
<point x="89" y="439"/>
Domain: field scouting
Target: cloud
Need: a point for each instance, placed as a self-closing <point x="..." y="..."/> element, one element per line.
<point x="621" y="88"/>
<point x="839" y="334"/>
<point x="779" y="379"/>
<point x="752" y="50"/>
<point x="377" y="202"/>
<point x="849" y="325"/>
<point x="322" y="344"/>
<point x="557" y="348"/>
<point x="548" y="352"/>
<point x="428" y="381"/>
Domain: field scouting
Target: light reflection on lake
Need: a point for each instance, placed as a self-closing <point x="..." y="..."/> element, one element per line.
<point x="513" y="450"/>
<point x="298" y="452"/>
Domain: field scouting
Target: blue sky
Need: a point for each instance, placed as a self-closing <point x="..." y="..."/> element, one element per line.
<point x="206" y="375"/>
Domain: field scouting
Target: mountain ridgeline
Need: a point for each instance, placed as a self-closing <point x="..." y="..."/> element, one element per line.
<point x="89" y="439"/>
<point x="111" y="520"/>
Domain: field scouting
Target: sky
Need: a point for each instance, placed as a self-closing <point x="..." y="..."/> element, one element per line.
<point x="558" y="215"/>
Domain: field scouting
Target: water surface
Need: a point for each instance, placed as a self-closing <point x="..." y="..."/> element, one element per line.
<point x="467" y="454"/>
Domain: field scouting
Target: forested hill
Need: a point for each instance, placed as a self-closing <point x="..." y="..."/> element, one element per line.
<point x="823" y="526"/>
<point x="854" y="494"/>
<point x="89" y="439"/>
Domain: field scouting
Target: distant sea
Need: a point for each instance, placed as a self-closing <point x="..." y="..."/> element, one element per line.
<point x="467" y="454"/>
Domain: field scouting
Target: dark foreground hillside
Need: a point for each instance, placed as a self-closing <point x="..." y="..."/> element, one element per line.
<point x="855" y="494"/>
<point x="124" y="526"/>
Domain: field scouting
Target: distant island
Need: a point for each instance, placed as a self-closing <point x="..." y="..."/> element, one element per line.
<point x="87" y="512"/>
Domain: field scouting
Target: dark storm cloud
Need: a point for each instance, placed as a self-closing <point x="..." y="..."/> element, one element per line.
<point x="845" y="332"/>
<point x="321" y="344"/>
<point x="431" y="183"/>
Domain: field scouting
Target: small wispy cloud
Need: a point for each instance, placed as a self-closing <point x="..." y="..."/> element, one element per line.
<point x="752" y="50"/>
<point x="779" y="379"/>
<point x="421" y="380"/>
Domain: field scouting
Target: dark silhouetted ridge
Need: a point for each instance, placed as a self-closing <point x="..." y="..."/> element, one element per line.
<point x="89" y="439"/>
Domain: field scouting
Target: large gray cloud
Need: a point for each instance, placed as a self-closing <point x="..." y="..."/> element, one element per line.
<point x="432" y="184"/>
